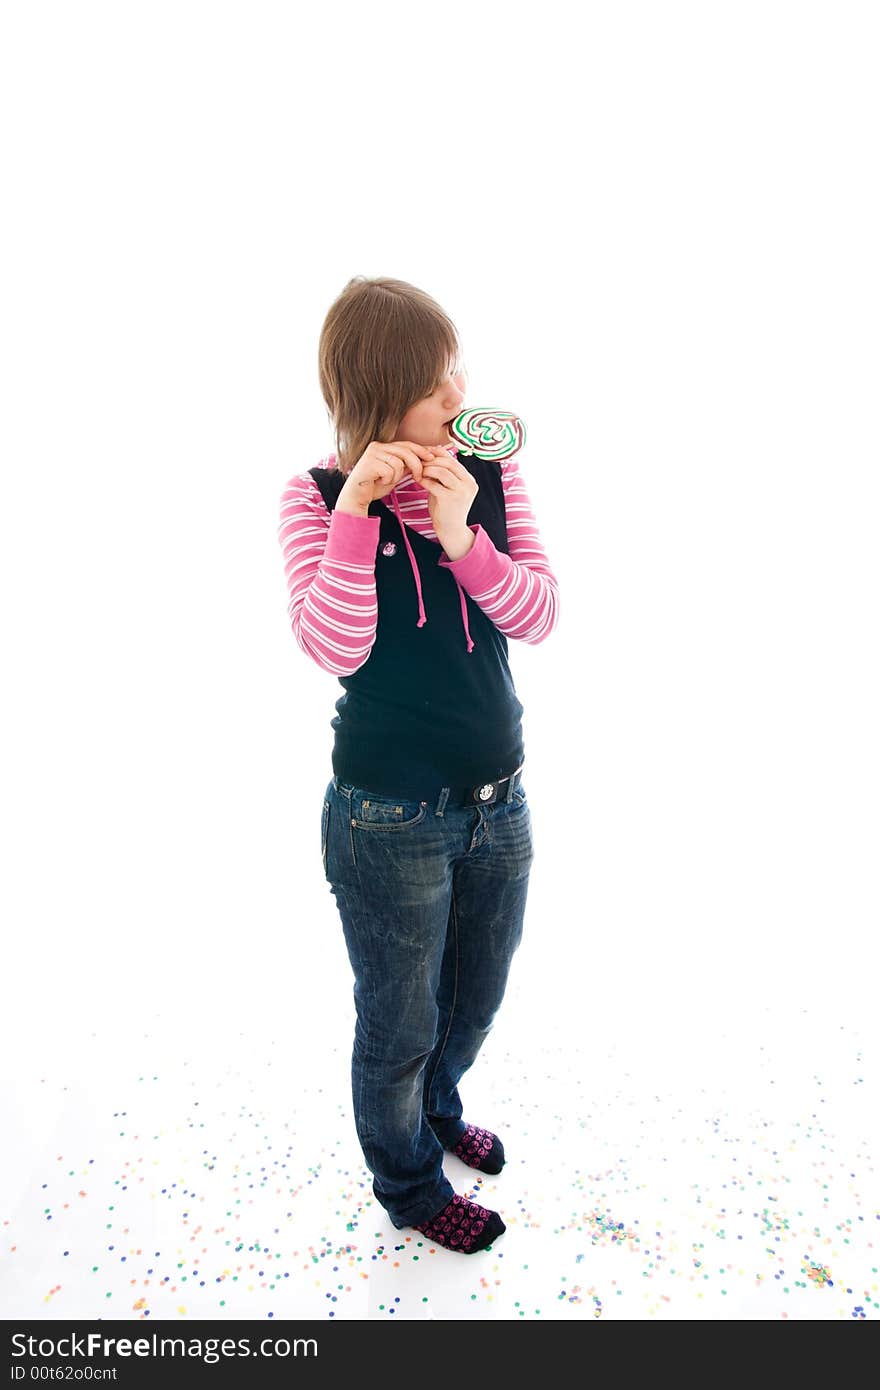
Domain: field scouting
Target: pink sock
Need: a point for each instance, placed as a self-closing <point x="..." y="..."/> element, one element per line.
<point x="463" y="1225"/>
<point x="480" y="1148"/>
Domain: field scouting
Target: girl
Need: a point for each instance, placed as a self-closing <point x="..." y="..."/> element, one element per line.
<point x="407" y="569"/>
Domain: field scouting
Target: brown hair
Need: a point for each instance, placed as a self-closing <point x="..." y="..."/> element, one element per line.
<point x="384" y="346"/>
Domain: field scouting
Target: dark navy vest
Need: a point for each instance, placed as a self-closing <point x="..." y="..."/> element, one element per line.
<point x="423" y="712"/>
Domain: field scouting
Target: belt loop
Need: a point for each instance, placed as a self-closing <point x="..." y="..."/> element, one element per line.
<point x="441" y="801"/>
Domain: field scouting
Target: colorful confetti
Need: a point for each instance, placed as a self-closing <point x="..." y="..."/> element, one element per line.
<point x="203" y="1189"/>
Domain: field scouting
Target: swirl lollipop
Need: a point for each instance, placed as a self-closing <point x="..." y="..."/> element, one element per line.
<point x="490" y="434"/>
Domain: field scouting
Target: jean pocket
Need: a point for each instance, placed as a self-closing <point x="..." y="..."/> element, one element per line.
<point x="325" y="827"/>
<point x="372" y="812"/>
<point x="519" y="795"/>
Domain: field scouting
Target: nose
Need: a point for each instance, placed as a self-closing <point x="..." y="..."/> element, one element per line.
<point x="454" y="397"/>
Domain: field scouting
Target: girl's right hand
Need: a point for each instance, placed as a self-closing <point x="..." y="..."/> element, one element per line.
<point x="379" y="469"/>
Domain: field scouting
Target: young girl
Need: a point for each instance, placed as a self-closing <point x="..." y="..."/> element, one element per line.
<point x="408" y="567"/>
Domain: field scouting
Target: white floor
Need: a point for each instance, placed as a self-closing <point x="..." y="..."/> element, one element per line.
<point x="699" y="1168"/>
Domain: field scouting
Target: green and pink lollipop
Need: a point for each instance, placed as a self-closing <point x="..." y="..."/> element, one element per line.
<point x="490" y="434"/>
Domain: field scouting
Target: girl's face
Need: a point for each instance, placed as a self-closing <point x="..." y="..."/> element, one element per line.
<point x="425" y="422"/>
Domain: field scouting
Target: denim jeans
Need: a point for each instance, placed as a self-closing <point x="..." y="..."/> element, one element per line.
<point x="432" y="900"/>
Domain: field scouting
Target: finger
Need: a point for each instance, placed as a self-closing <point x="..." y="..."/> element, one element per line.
<point x="412" y="462"/>
<point x="421" y="449"/>
<point x="441" y="474"/>
<point x="444" y="460"/>
<point x="390" y="453"/>
<point x="406" y="454"/>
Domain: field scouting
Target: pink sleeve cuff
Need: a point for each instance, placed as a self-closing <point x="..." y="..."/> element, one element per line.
<point x="482" y="565"/>
<point x="352" y="538"/>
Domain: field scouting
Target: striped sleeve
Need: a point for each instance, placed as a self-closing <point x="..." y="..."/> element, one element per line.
<point x="330" y="570"/>
<point x="518" y="591"/>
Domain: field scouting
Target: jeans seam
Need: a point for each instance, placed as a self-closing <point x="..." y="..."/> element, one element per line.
<point x="454" y="999"/>
<point x="348" y="817"/>
<point x="325" y="833"/>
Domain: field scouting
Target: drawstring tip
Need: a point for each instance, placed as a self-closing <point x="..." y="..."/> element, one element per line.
<point x="421" y="622"/>
<point x="470" y="644"/>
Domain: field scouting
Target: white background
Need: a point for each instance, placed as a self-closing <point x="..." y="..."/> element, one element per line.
<point x="656" y="227"/>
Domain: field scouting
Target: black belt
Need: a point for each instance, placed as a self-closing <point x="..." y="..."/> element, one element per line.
<point x="485" y="793"/>
<point x="482" y="795"/>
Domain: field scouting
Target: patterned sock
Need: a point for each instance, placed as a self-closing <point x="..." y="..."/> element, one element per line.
<point x="463" y="1225"/>
<point x="480" y="1148"/>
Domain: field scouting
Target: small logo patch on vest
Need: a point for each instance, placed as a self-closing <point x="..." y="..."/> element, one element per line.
<point x="389" y="548"/>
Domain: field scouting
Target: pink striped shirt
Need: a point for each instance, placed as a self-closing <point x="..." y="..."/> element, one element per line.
<point x="330" y="557"/>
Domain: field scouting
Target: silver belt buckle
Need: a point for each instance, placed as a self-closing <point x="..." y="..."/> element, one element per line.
<point x="488" y="792"/>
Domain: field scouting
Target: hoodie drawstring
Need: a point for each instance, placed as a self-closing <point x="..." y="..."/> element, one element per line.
<point x="418" y="579"/>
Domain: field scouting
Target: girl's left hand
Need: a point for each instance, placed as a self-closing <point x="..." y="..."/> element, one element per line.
<point x="451" y="490"/>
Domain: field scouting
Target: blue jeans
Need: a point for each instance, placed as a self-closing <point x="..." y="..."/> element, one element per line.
<point x="432" y="901"/>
